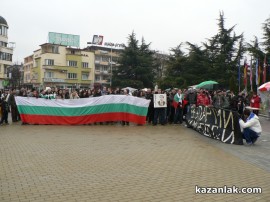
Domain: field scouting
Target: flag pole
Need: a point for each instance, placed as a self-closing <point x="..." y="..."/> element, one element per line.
<point x="239" y="77"/>
<point x="251" y="75"/>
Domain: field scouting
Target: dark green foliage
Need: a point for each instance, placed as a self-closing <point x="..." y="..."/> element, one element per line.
<point x="136" y="65"/>
<point x="233" y="84"/>
<point x="217" y="59"/>
<point x="266" y="36"/>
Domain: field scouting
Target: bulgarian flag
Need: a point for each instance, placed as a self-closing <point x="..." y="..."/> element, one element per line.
<point x="83" y="111"/>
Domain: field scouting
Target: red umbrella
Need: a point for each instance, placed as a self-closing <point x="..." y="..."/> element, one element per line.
<point x="265" y="87"/>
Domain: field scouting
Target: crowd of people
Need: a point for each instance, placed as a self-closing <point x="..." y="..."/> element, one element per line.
<point x="179" y="101"/>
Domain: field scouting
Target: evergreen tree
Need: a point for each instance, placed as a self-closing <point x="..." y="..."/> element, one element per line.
<point x="217" y="59"/>
<point x="266" y="36"/>
<point x="175" y="69"/>
<point x="266" y="45"/>
<point x="254" y="49"/>
<point x="136" y="67"/>
<point x="224" y="50"/>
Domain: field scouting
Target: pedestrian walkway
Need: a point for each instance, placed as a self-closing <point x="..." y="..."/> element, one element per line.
<point x="120" y="163"/>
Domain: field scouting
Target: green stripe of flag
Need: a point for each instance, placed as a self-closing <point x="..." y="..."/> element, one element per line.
<point x="81" y="111"/>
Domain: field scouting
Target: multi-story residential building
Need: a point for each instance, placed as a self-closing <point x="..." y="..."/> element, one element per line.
<point x="29" y="79"/>
<point x="6" y="53"/>
<point x="59" y="66"/>
<point x="106" y="60"/>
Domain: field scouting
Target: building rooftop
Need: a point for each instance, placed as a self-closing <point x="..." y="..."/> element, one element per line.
<point x="3" y="21"/>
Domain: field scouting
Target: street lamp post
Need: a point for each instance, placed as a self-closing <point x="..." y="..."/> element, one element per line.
<point x="111" y="69"/>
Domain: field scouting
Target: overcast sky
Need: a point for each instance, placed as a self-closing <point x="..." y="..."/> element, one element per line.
<point x="164" y="23"/>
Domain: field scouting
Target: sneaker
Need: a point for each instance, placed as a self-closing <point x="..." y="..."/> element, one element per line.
<point x="255" y="140"/>
<point x="249" y="143"/>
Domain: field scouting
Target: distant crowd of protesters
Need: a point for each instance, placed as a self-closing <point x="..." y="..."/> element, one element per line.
<point x="179" y="101"/>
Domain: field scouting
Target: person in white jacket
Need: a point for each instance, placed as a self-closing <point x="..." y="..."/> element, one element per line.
<point x="251" y="128"/>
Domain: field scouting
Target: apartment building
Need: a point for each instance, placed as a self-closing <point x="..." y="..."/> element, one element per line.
<point x="59" y="66"/>
<point x="6" y="53"/>
<point x="106" y="60"/>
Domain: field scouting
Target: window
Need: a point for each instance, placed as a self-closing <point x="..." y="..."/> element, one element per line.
<point x="3" y="44"/>
<point x="3" y="30"/>
<point x="5" y="56"/>
<point x="5" y="69"/>
<point x="49" y="62"/>
<point x="97" y="68"/>
<point x="85" y="65"/>
<point x="85" y="76"/>
<point x="72" y="63"/>
<point x="48" y="74"/>
<point x="72" y="76"/>
<point x="97" y="78"/>
<point x="55" y="49"/>
<point x="97" y="58"/>
<point x="104" y="68"/>
<point x="105" y="59"/>
<point x="27" y="77"/>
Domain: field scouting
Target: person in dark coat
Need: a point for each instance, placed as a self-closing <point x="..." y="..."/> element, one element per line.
<point x="5" y="109"/>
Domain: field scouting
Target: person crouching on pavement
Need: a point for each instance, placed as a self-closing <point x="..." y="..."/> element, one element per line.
<point x="251" y="127"/>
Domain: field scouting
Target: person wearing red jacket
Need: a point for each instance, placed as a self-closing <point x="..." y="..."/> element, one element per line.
<point x="203" y="99"/>
<point x="255" y="102"/>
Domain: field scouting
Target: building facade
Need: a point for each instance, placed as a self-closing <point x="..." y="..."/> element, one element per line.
<point x="6" y="53"/>
<point x="106" y="60"/>
<point x="59" y="66"/>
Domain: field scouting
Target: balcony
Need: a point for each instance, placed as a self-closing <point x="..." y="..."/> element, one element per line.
<point x="53" y="80"/>
<point x="102" y="72"/>
<point x="104" y="63"/>
<point x="62" y="69"/>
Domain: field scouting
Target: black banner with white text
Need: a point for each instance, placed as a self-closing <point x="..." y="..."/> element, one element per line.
<point x="216" y="123"/>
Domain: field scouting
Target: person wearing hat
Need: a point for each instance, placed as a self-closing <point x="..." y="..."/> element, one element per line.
<point x="251" y="127"/>
<point x="49" y="94"/>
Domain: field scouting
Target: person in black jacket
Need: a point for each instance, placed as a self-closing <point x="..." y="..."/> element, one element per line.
<point x="150" y="113"/>
<point x="5" y="109"/>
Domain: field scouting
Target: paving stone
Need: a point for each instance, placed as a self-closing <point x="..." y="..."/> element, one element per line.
<point x="112" y="163"/>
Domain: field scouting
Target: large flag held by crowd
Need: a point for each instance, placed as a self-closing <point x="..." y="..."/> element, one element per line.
<point x="83" y="111"/>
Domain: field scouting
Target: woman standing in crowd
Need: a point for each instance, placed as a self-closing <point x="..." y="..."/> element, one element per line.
<point x="74" y="95"/>
<point x="255" y="102"/>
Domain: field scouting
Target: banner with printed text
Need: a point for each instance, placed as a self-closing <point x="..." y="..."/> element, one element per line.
<point x="216" y="123"/>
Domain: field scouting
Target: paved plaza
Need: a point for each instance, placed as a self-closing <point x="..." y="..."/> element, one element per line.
<point x="126" y="163"/>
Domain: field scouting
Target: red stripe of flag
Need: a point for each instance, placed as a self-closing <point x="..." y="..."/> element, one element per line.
<point x="79" y="120"/>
